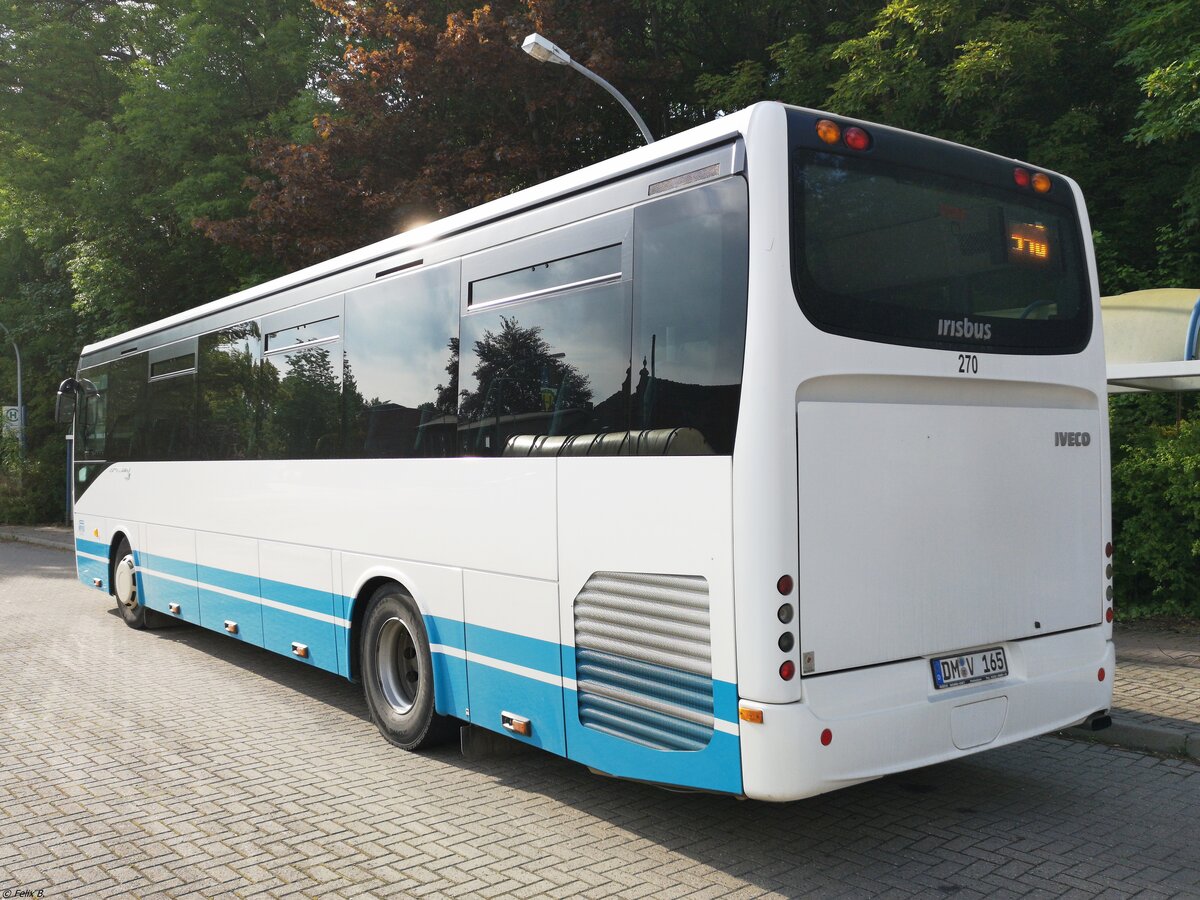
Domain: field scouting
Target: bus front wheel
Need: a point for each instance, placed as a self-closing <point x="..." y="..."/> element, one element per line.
<point x="124" y="589"/>
<point x="397" y="672"/>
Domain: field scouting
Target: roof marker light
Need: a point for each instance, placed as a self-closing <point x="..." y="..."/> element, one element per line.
<point x="1021" y="177"/>
<point x="856" y="139"/>
<point x="828" y="131"/>
<point x="1041" y="183"/>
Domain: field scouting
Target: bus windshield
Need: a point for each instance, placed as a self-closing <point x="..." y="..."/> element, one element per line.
<point x="893" y="253"/>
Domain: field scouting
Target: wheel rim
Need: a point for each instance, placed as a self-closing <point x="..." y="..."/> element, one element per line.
<point x="397" y="664"/>
<point x="125" y="584"/>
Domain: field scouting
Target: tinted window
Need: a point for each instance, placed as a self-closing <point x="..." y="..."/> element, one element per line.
<point x="301" y="393"/>
<point x="175" y="364"/>
<point x="547" y="276"/>
<point x="401" y="361"/>
<point x="893" y="253"/>
<point x="690" y="265"/>
<point x="227" y="396"/>
<point x="551" y="367"/>
<point x="114" y="409"/>
<point x="171" y="414"/>
<point x="302" y="334"/>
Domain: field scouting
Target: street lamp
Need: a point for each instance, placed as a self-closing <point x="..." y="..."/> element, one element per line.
<point x="544" y="51"/>
<point x="20" y="404"/>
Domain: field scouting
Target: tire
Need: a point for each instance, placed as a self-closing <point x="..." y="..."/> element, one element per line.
<point x="123" y="586"/>
<point x="397" y="672"/>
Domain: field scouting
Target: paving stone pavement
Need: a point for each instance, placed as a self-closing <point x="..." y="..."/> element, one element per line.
<point x="177" y="762"/>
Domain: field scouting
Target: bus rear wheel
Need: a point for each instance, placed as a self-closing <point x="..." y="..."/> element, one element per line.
<point x="124" y="589"/>
<point x="397" y="672"/>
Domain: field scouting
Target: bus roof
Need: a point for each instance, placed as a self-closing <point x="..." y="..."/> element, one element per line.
<point x="711" y="133"/>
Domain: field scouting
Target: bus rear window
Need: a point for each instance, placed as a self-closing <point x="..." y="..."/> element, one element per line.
<point x="890" y="253"/>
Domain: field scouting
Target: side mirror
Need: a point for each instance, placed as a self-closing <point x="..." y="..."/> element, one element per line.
<point x="64" y="403"/>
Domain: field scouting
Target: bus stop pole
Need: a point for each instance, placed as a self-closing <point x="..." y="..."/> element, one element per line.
<point x="20" y="399"/>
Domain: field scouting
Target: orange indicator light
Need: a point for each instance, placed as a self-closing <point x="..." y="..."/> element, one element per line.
<point x="828" y="131"/>
<point x="1041" y="182"/>
<point x="754" y="716"/>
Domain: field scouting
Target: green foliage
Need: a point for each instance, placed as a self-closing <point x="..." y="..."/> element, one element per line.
<point x="1156" y="505"/>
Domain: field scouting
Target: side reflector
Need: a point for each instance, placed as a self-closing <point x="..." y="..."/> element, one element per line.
<point x="826" y="738"/>
<point x="1041" y="183"/>
<point x="828" y="131"/>
<point x="754" y="716"/>
<point x="856" y="139"/>
<point x="516" y="724"/>
<point x="300" y="650"/>
<point x="1100" y="675"/>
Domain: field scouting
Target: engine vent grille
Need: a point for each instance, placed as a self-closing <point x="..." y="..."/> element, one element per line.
<point x="643" y="654"/>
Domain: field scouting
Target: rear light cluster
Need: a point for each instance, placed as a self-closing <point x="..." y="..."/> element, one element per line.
<point x="830" y="132"/>
<point x="1108" y="589"/>
<point x="1039" y="181"/>
<point x="785" y="614"/>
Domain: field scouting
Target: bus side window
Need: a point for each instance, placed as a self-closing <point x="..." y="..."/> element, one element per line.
<point x="171" y="404"/>
<point x="546" y="368"/>
<point x="227" y="393"/>
<point x="401" y="365"/>
<point x="690" y="279"/>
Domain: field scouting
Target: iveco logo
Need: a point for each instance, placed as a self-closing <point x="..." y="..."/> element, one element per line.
<point x="1072" y="438"/>
<point x="964" y="328"/>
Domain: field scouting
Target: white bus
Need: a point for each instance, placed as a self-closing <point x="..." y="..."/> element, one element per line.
<point x="766" y="459"/>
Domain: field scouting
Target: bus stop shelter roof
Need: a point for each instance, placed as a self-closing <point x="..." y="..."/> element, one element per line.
<point x="1146" y="337"/>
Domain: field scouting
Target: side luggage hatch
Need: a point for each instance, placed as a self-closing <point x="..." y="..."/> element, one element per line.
<point x="929" y="529"/>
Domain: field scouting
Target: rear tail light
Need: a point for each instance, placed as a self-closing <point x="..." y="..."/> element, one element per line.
<point x="787" y="670"/>
<point x="830" y="132"/>
<point x="826" y="738"/>
<point x="856" y="139"/>
<point x="1100" y="675"/>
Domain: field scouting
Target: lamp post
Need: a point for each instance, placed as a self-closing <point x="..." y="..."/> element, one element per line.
<point x="20" y="403"/>
<point x="544" y="51"/>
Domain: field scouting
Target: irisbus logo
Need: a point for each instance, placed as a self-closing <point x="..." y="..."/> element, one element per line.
<point x="964" y="328"/>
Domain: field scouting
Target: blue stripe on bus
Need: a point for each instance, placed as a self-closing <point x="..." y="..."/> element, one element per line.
<point x="89" y="570"/>
<point x="164" y="565"/>
<point x="311" y="599"/>
<point x="502" y="691"/>
<point x="93" y="547"/>
<point x="446" y="632"/>
<point x="230" y="581"/>
<point x="718" y="767"/>
<point x="554" y="711"/>
<point x="517" y="649"/>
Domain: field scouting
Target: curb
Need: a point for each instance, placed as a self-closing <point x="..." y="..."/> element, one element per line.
<point x="36" y="541"/>
<point x="1150" y="738"/>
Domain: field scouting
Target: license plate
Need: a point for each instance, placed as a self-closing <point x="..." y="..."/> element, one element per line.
<point x="979" y="665"/>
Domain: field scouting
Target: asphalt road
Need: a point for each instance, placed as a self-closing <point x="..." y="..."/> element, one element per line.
<point x="177" y="762"/>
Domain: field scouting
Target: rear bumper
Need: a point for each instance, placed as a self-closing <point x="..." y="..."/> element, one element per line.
<point x="890" y="718"/>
